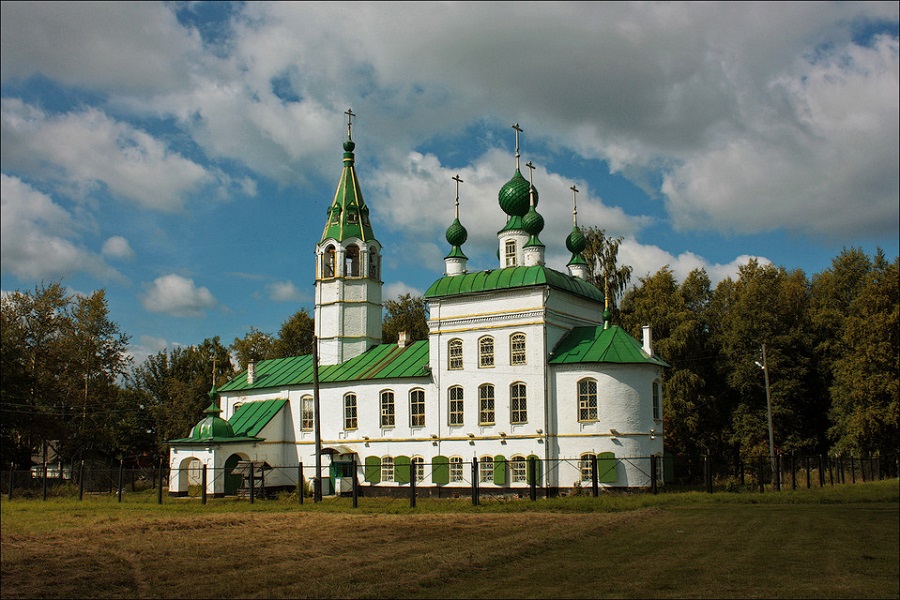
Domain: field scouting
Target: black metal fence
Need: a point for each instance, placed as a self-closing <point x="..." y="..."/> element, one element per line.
<point x="468" y="481"/>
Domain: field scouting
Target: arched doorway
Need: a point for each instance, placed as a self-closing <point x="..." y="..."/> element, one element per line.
<point x="233" y="482"/>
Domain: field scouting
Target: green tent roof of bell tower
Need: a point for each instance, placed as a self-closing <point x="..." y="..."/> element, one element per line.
<point x="348" y="215"/>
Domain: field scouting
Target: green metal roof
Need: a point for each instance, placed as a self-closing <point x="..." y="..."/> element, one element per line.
<point x="593" y="344"/>
<point x="385" y="361"/>
<point x="511" y="278"/>
<point x="348" y="215"/>
<point x="249" y="419"/>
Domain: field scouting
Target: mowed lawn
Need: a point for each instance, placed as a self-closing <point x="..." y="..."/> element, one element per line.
<point x="828" y="544"/>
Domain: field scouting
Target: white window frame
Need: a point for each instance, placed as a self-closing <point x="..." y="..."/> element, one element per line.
<point x="455" y="406"/>
<point x="388" y="409"/>
<point x="387" y="468"/>
<point x="588" y="410"/>
<point x="455" y="355"/>
<point x="486" y="469"/>
<point x="518" y="403"/>
<point x="307" y="413"/>
<point x="487" y="404"/>
<point x="486" y="352"/>
<point x="518" y="467"/>
<point x="518" y="354"/>
<point x="351" y="412"/>
<point x="456" y="469"/>
<point x="417" y="407"/>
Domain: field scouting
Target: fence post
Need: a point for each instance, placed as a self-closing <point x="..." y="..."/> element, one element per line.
<point x="159" y="493"/>
<point x="301" y="485"/>
<point x="12" y="480"/>
<point x="413" y="475"/>
<point x="759" y="469"/>
<point x="203" y="481"/>
<point x="653" y="475"/>
<point x="474" y="481"/>
<point x="777" y="474"/>
<point x="121" y="473"/>
<point x="355" y="482"/>
<point x="532" y="472"/>
<point x="252" y="486"/>
<point x="81" y="481"/>
<point x="707" y="474"/>
<point x="44" y="482"/>
<point x="595" y="486"/>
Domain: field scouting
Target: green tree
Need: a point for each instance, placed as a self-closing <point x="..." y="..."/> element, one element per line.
<point x="602" y="255"/>
<point x="255" y="346"/>
<point x="406" y="313"/>
<point x="866" y="390"/>
<point x="295" y="338"/>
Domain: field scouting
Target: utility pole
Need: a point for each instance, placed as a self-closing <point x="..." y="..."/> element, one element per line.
<point x="317" y="482"/>
<point x="765" y="367"/>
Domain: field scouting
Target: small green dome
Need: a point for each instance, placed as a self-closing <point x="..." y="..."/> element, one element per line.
<point x="349" y="146"/>
<point x="514" y="197"/>
<point x="457" y="234"/>
<point x="533" y="222"/>
<point x="576" y="242"/>
<point x="212" y="425"/>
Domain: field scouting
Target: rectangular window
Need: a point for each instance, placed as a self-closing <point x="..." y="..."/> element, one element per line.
<point x="486" y="352"/>
<point x="350" y="411"/>
<point x="517" y="349"/>
<point x="587" y="400"/>
<point x="456" y="405"/>
<point x="455" y="362"/>
<point x="510" y="251"/>
<point x="518" y="404"/>
<point x="456" y="468"/>
<point x="387" y="468"/>
<point x="584" y="465"/>
<point x="417" y="408"/>
<point x="486" y="405"/>
<point x="387" y="409"/>
<point x="307" y="418"/>
<point x="418" y="467"/>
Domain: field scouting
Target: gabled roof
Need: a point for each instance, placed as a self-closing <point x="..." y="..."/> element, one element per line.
<point x="250" y="418"/>
<point x="385" y="361"/>
<point x="593" y="344"/>
<point x="511" y="278"/>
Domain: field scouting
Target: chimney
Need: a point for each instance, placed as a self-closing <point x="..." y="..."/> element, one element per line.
<point x="401" y="339"/>
<point x="648" y="340"/>
<point x="251" y="372"/>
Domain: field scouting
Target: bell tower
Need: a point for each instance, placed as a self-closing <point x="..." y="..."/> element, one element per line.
<point x="348" y="311"/>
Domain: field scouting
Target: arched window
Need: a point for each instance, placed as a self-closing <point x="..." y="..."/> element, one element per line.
<point x="456" y="468"/>
<point x="350" y="411"/>
<point x="486" y="404"/>
<point x="509" y="249"/>
<point x="587" y="400"/>
<point x="519" y="469"/>
<point x="328" y="262"/>
<point x="518" y="403"/>
<point x="417" y="408"/>
<point x="351" y="261"/>
<point x="307" y="415"/>
<point x="388" y="414"/>
<point x="387" y="468"/>
<point x="486" y="352"/>
<point x="517" y="354"/>
<point x="455" y="405"/>
<point x="584" y="465"/>
<point x="418" y="468"/>
<point x="455" y="355"/>
<point x="486" y="469"/>
<point x="656" y="407"/>
<point x="374" y="259"/>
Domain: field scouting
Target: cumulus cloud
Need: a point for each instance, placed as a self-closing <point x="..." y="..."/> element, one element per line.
<point x="118" y="247"/>
<point x="285" y="291"/>
<point x="177" y="296"/>
<point x="394" y="290"/>
<point x="88" y="147"/>
<point x="39" y="237"/>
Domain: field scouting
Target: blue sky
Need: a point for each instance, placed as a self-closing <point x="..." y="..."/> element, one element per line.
<point x="181" y="155"/>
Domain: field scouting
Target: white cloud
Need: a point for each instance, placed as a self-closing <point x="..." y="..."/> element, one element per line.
<point x="147" y="346"/>
<point x="394" y="290"/>
<point x="39" y="237"/>
<point x="88" y="147"/>
<point x="177" y="296"/>
<point x="118" y="247"/>
<point x="285" y="291"/>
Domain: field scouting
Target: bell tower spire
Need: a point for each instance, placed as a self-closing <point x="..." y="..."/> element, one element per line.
<point x="348" y="311"/>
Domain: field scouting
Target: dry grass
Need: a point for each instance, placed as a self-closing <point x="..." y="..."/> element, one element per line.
<point x="824" y="548"/>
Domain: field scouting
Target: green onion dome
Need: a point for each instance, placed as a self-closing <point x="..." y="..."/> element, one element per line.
<point x="576" y="242"/>
<point x="349" y="146"/>
<point x="513" y="196"/>
<point x="533" y="222"/>
<point x="457" y="234"/>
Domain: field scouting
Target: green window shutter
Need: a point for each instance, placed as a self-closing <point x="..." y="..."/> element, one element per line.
<point x="606" y="467"/>
<point x="373" y="469"/>
<point x="499" y="470"/>
<point x="440" y="470"/>
<point x="401" y="469"/>
<point x="537" y="469"/>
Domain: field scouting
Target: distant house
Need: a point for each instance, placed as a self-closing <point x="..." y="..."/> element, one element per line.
<point x="521" y="361"/>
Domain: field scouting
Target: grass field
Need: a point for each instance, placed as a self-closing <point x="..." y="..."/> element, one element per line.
<point x="841" y="542"/>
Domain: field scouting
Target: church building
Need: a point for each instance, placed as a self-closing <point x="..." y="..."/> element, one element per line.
<point x="521" y="366"/>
